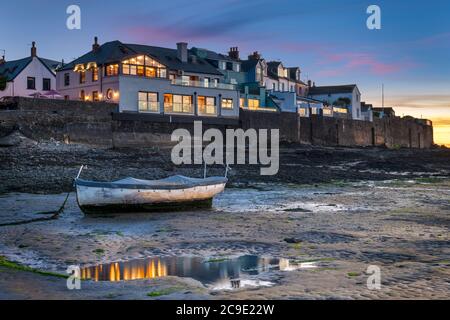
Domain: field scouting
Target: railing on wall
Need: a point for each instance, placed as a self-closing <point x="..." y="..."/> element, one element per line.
<point x="178" y="108"/>
<point x="203" y="84"/>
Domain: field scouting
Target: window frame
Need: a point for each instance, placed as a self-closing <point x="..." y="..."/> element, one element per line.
<point x="226" y="101"/>
<point x="44" y="81"/>
<point x="33" y="82"/>
<point x="82" y="77"/>
<point x="148" y="102"/>
<point x="66" y="79"/>
<point x="95" y="74"/>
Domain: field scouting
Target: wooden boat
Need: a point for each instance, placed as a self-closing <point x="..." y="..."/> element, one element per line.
<point x="135" y="195"/>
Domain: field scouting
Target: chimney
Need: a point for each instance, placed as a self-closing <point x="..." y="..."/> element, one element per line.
<point x="234" y="53"/>
<point x="2" y="60"/>
<point x="314" y="84"/>
<point x="309" y="83"/>
<point x="254" y="56"/>
<point x="182" y="53"/>
<point x="95" y="46"/>
<point x="33" y="49"/>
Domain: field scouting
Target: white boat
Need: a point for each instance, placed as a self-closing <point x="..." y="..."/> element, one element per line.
<point x="135" y="195"/>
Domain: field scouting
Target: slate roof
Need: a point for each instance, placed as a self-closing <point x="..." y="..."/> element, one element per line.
<point x="331" y="89"/>
<point x="211" y="55"/>
<point x="11" y="69"/>
<point x="116" y="51"/>
<point x="248" y="65"/>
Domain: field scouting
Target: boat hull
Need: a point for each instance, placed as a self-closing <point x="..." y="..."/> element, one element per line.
<point x="97" y="200"/>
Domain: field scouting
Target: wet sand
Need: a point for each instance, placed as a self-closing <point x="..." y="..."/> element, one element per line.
<point x="399" y="225"/>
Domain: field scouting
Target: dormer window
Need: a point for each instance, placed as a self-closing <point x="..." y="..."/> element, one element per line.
<point x="144" y="66"/>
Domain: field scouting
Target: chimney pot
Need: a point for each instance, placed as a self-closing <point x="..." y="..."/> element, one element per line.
<point x="234" y="53"/>
<point x="182" y="52"/>
<point x="95" y="46"/>
<point x="33" y="49"/>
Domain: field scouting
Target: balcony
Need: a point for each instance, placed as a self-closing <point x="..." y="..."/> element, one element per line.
<point x="178" y="108"/>
<point x="208" y="110"/>
<point x="203" y="84"/>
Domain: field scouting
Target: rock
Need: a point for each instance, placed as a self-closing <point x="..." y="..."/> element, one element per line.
<point x="15" y="139"/>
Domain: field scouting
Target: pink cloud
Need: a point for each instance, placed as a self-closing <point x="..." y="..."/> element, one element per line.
<point x="350" y="62"/>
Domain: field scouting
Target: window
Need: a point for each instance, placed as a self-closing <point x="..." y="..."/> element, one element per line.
<point x="66" y="79"/>
<point x="94" y="74"/>
<point x="46" y="84"/>
<point x="253" y="104"/>
<point x="148" y="102"/>
<point x="292" y="88"/>
<point x="273" y="87"/>
<point x="206" y="82"/>
<point x="258" y="73"/>
<point x="229" y="66"/>
<point x="66" y="98"/>
<point x="31" y="83"/>
<point x="242" y="102"/>
<point x="95" y="96"/>
<point x="215" y="82"/>
<point x="144" y="66"/>
<point x="82" y="95"/>
<point x="112" y="70"/>
<point x="238" y="67"/>
<point x="109" y="94"/>
<point x="178" y="103"/>
<point x="227" y="103"/>
<point x="282" y="87"/>
<point x="82" y="77"/>
<point x="206" y="105"/>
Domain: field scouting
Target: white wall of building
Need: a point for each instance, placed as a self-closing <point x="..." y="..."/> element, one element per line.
<point x="36" y="69"/>
<point x="130" y="86"/>
<point x="355" y="98"/>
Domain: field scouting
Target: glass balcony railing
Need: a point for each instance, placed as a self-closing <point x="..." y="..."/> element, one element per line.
<point x="148" y="106"/>
<point x="203" y="84"/>
<point x="178" y="108"/>
<point x="207" y="110"/>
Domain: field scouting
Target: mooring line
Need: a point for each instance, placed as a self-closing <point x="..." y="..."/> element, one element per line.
<point x="55" y="215"/>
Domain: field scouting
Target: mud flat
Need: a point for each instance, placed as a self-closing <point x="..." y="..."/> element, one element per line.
<point x="400" y="225"/>
<point x="49" y="167"/>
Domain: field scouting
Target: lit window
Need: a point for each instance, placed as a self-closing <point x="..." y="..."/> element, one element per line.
<point x="112" y="70"/>
<point x="95" y="96"/>
<point x="82" y="77"/>
<point x="253" y="104"/>
<point x="148" y="102"/>
<point x="178" y="104"/>
<point x="206" y="105"/>
<point x="94" y="74"/>
<point x="82" y="95"/>
<point x="227" y="103"/>
<point x="144" y="66"/>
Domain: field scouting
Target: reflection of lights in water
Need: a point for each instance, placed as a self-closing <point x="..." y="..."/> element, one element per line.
<point x="127" y="271"/>
<point x="211" y="273"/>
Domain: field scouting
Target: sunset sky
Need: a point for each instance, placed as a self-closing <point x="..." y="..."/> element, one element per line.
<point x="327" y="39"/>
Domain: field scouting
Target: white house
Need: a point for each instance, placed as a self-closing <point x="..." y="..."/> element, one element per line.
<point x="344" y="98"/>
<point x="27" y="76"/>
<point x="147" y="79"/>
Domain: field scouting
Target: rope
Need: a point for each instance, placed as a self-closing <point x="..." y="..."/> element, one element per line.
<point x="55" y="215"/>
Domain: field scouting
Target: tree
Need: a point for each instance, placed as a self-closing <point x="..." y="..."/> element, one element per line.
<point x="3" y="83"/>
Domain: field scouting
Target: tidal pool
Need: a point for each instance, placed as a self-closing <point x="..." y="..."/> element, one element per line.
<point x="215" y="273"/>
